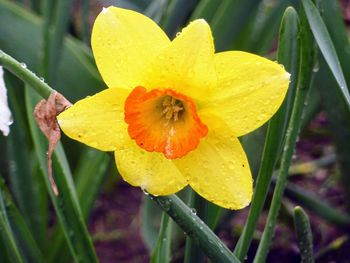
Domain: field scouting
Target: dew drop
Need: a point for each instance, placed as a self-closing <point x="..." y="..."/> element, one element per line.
<point x="144" y="190"/>
<point x="104" y="10"/>
<point x="23" y="65"/>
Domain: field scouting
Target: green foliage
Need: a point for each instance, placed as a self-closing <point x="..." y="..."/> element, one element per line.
<point x="51" y="39"/>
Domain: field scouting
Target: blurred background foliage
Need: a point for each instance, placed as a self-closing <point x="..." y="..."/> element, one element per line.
<point x="97" y="217"/>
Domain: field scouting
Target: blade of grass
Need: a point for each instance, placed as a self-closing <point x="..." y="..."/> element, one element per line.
<point x="336" y="108"/>
<point x="303" y="83"/>
<point x="224" y="30"/>
<point x="205" y="9"/>
<point x="326" y="46"/>
<point x="55" y="41"/>
<point x="265" y="28"/>
<point x="7" y="234"/>
<point x="304" y="235"/>
<point x="339" y="120"/>
<point x="36" y="6"/>
<point x="162" y="251"/>
<point x="319" y="207"/>
<point x="25" y="241"/>
<point x="76" y="58"/>
<point x="89" y="176"/>
<point x="332" y="14"/>
<point x="195" y="228"/>
<point x="5" y="253"/>
<point x="150" y="218"/>
<point x="156" y="10"/>
<point x="47" y="9"/>
<point x="288" y="55"/>
<point x="66" y="204"/>
<point x="26" y="184"/>
<point x="176" y="15"/>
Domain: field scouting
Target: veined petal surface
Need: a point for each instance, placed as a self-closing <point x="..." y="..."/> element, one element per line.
<point x="97" y="121"/>
<point x="250" y="90"/>
<point x="124" y="43"/>
<point x="149" y="170"/>
<point x="187" y="65"/>
<point x="218" y="169"/>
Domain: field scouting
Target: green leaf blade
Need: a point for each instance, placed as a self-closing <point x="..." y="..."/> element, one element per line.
<point x="288" y="55"/>
<point x="304" y="235"/>
<point x="326" y="46"/>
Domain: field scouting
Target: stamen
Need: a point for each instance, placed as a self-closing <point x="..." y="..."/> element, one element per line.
<point x="163" y="121"/>
<point x="172" y="108"/>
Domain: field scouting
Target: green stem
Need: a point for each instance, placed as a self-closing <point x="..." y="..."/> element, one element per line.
<point x="294" y="124"/>
<point x="288" y="53"/>
<point x="192" y="252"/>
<point x="195" y="228"/>
<point x="21" y="71"/>
<point x="304" y="235"/>
<point x="162" y="251"/>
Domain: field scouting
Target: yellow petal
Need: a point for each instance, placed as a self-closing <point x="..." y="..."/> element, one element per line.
<point x="124" y="42"/>
<point x="218" y="169"/>
<point x="97" y="121"/>
<point x="250" y="90"/>
<point x="149" y="170"/>
<point x="186" y="66"/>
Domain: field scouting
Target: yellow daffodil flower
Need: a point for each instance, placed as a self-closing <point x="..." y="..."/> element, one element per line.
<point x="174" y="109"/>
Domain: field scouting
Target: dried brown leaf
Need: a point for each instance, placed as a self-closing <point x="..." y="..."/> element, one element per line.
<point x="45" y="114"/>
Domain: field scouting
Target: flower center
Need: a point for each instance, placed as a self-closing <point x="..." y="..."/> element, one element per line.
<point x="163" y="121"/>
<point x="172" y="108"/>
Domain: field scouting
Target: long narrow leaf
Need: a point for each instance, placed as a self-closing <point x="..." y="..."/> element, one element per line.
<point x="176" y="15"/>
<point x="319" y="207"/>
<point x="195" y="228"/>
<point x="304" y="79"/>
<point x="162" y="250"/>
<point x="304" y="235"/>
<point x="336" y="108"/>
<point x="76" y="58"/>
<point x="25" y="241"/>
<point x="55" y="42"/>
<point x="326" y="46"/>
<point x="205" y="9"/>
<point x="6" y="232"/>
<point x="288" y="55"/>
<point x="66" y="203"/>
<point x="26" y="183"/>
<point x="89" y="176"/>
